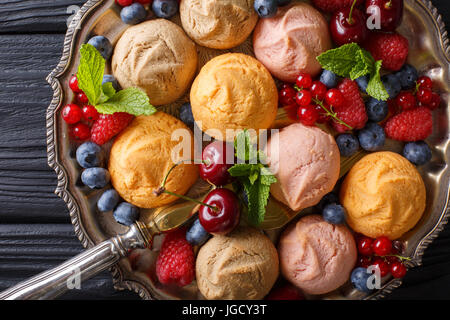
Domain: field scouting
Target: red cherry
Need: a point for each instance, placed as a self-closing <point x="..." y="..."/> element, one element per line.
<point x="90" y="113"/>
<point x="345" y="30"/>
<point x="364" y="261"/>
<point x="382" y="265"/>
<point x="406" y="100"/>
<point x="334" y="98"/>
<point x="391" y="12"/>
<point x="398" y="270"/>
<point x="215" y="166"/>
<point x="365" y="246"/>
<point x="287" y="96"/>
<point x="304" y="81"/>
<point x="424" y="95"/>
<point x="382" y="246"/>
<point x="303" y="98"/>
<point x="82" y="98"/>
<point x="435" y="101"/>
<point x="71" y="113"/>
<point x="81" y="131"/>
<point x="425" y="82"/>
<point x="323" y="116"/>
<point x="318" y="90"/>
<point x="73" y="84"/>
<point x="226" y="216"/>
<point x="307" y="115"/>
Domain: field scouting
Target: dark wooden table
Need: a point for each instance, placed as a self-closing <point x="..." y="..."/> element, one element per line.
<point x="35" y="230"/>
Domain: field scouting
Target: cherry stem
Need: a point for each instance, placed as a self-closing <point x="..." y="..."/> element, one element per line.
<point x="388" y="4"/>
<point x="162" y="189"/>
<point x="331" y="113"/>
<point x="350" y="19"/>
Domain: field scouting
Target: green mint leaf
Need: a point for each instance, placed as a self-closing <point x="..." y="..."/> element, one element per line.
<point x="267" y="178"/>
<point x="245" y="150"/>
<point x="375" y="88"/>
<point x="340" y="60"/>
<point x="90" y="73"/>
<point x="363" y="64"/>
<point x="258" y="196"/>
<point x="108" y="92"/>
<point x="240" y="170"/>
<point x="131" y="100"/>
<point x="254" y="174"/>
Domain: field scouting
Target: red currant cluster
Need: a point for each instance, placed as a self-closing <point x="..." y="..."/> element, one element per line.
<point x="126" y="3"/>
<point x="382" y="253"/>
<point x="311" y="99"/>
<point x="422" y="96"/>
<point x="79" y="114"/>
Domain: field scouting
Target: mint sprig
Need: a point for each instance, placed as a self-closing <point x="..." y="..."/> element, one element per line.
<point x="351" y="61"/>
<point x="104" y="97"/>
<point x="254" y="176"/>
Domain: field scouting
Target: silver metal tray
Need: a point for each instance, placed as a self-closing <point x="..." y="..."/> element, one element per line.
<point x="429" y="52"/>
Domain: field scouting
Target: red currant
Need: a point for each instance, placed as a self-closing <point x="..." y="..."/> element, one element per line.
<point x="424" y="95"/>
<point x="398" y="270"/>
<point x="287" y="96"/>
<point x="124" y="3"/>
<point x="318" y="90"/>
<point x="382" y="265"/>
<point x="392" y="259"/>
<point x="382" y="246"/>
<point x="425" y="82"/>
<point x="435" y="101"/>
<point x="364" y="261"/>
<point x="144" y="1"/>
<point x="323" y="116"/>
<point x="303" y="98"/>
<point x="82" y="98"/>
<point x="365" y="246"/>
<point x="406" y="100"/>
<point x="334" y="98"/>
<point x="307" y="115"/>
<point x="397" y="247"/>
<point x="81" y="131"/>
<point x="90" y="113"/>
<point x="71" y="113"/>
<point x="291" y="111"/>
<point x="73" y="84"/>
<point x="304" y="81"/>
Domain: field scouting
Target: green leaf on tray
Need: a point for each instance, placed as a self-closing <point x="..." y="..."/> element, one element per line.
<point x="90" y="72"/>
<point x="375" y="88"/>
<point x="131" y="100"/>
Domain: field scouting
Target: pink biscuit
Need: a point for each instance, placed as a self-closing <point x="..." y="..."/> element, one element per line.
<point x="289" y="43"/>
<point x="317" y="256"/>
<point x="306" y="163"/>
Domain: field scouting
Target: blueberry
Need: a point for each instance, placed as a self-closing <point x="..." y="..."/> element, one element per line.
<point x="126" y="213"/>
<point x="197" y="235"/>
<point x="133" y="14"/>
<point x="329" y="78"/>
<point x="348" y="144"/>
<point x="186" y="115"/>
<point x="327" y="199"/>
<point x="418" y="152"/>
<point x="266" y="8"/>
<point x="392" y="85"/>
<point x="363" y="82"/>
<point x="165" y="8"/>
<point x="90" y="155"/>
<point x="359" y="278"/>
<point x="95" y="178"/>
<point x="334" y="214"/>
<point x="282" y="3"/>
<point x="103" y="46"/>
<point x="108" y="200"/>
<point x="376" y="110"/>
<point x="407" y="76"/>
<point x="109" y="78"/>
<point x="372" y="137"/>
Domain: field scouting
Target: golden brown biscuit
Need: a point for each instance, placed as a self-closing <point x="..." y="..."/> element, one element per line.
<point x="157" y="57"/>
<point x="384" y="195"/>
<point x="216" y="24"/>
<point x="141" y="157"/>
<point x="242" y="265"/>
<point x="233" y="91"/>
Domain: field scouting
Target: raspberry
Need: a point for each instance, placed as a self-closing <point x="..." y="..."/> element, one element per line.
<point x="108" y="125"/>
<point x="353" y="110"/>
<point x="175" y="264"/>
<point x="333" y="5"/>
<point x="410" y="125"/>
<point x="392" y="48"/>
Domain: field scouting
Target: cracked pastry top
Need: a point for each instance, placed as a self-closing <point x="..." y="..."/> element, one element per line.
<point x="157" y="57"/>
